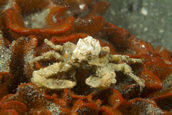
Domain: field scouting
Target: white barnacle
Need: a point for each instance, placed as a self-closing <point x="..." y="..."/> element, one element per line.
<point x="86" y="48"/>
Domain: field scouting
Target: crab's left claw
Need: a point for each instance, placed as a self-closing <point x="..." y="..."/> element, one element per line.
<point x="100" y="82"/>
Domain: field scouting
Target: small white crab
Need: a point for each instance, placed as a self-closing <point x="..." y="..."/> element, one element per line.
<point x="89" y="52"/>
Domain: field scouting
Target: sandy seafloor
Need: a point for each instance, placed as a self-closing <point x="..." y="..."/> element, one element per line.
<point x="150" y="20"/>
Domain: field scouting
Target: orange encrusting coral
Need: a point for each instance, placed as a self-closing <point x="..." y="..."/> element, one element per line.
<point x="69" y="21"/>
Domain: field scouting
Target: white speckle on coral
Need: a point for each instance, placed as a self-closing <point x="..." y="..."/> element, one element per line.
<point x="143" y="46"/>
<point x="81" y="6"/>
<point x="5" y="55"/>
<point x="54" y="109"/>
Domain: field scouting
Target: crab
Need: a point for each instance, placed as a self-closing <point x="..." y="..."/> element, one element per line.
<point x="87" y="53"/>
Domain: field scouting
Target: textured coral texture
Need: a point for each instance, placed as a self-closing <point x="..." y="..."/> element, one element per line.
<point x="53" y="53"/>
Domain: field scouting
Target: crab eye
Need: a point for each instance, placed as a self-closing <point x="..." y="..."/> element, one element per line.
<point x="102" y="54"/>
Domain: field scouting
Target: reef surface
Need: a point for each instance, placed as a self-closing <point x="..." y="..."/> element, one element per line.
<point x="61" y="57"/>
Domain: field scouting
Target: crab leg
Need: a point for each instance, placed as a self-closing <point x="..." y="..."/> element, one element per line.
<point x="42" y="77"/>
<point x="105" y="76"/>
<point x="128" y="71"/>
<point x="55" y="47"/>
<point x="48" y="71"/>
<point x="47" y="55"/>
<point x="124" y="58"/>
<point x="100" y="82"/>
<point x="52" y="83"/>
